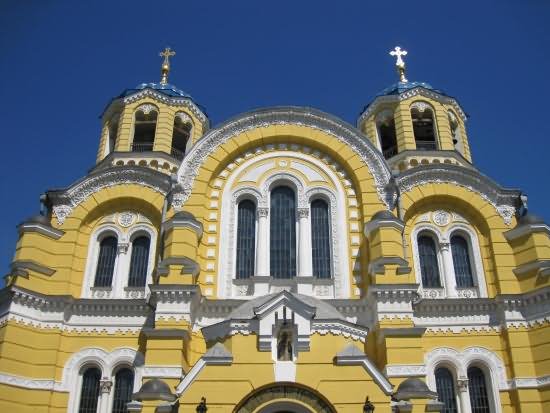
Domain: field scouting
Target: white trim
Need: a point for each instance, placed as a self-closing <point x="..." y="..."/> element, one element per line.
<point x="30" y="383"/>
<point x="163" y="372"/>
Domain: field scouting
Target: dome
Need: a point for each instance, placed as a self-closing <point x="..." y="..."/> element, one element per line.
<point x="414" y="388"/>
<point x="154" y="389"/>
<point x="383" y="215"/>
<point x="166" y="89"/>
<point x="400" y="87"/>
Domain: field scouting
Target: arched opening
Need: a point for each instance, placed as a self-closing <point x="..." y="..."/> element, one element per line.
<point x="423" y="121"/>
<point x="106" y="262"/>
<point x="124" y="386"/>
<point x="145" y="125"/>
<point x="283" y="233"/>
<point x="89" y="392"/>
<point x="385" y="125"/>
<point x="139" y="261"/>
<point x="462" y="262"/>
<point x="246" y="239"/>
<point x="429" y="265"/>
<point x="320" y="239"/>
<point x="446" y="392"/>
<point x="477" y="386"/>
<point x="112" y="131"/>
<point x="180" y="135"/>
<point x="455" y="131"/>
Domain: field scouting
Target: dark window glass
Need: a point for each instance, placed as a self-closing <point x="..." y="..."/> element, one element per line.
<point x="145" y="126"/>
<point x="106" y="262"/>
<point x="320" y="239"/>
<point x="283" y="233"/>
<point x="89" y="395"/>
<point x="479" y="401"/>
<point x="388" y="139"/>
<point x="180" y="136"/>
<point x="446" y="390"/>
<point x="124" y="385"/>
<point x="423" y="128"/>
<point x="139" y="262"/>
<point x="461" y="262"/>
<point x="429" y="268"/>
<point x="246" y="239"/>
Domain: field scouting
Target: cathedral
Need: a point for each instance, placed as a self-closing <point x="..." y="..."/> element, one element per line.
<point x="281" y="261"/>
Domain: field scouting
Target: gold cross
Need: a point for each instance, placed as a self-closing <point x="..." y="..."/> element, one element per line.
<point x="165" y="68"/>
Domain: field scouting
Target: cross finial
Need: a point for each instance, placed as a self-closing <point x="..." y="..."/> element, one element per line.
<point x="165" y="68"/>
<point x="400" y="63"/>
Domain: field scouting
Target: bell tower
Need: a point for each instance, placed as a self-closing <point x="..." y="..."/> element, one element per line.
<point x="414" y="124"/>
<point x="153" y="125"/>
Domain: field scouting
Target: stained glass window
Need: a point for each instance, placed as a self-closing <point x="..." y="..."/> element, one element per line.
<point x="246" y="239"/>
<point x="479" y="400"/>
<point x="89" y="394"/>
<point x="429" y="267"/>
<point x="106" y="262"/>
<point x="124" y="385"/>
<point x="461" y="262"/>
<point x="283" y="233"/>
<point x="446" y="390"/>
<point x="139" y="262"/>
<point x="320" y="239"/>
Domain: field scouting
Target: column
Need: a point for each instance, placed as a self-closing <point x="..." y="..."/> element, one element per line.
<point x="448" y="269"/>
<point x="304" y="248"/>
<point x="262" y="251"/>
<point x="105" y="386"/>
<point x="464" y="395"/>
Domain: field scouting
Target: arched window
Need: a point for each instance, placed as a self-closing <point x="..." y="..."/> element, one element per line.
<point x="444" y="383"/>
<point x="180" y="136"/>
<point x="320" y="239"/>
<point x="455" y="131"/>
<point x="283" y="233"/>
<point x="139" y="262"/>
<point x="106" y="262"/>
<point x="479" y="399"/>
<point x="385" y="124"/>
<point x="113" y="131"/>
<point x="246" y="239"/>
<point x="423" y="126"/>
<point x="145" y="125"/>
<point x="461" y="262"/>
<point x="429" y="267"/>
<point x="124" y="385"/>
<point x="89" y="395"/>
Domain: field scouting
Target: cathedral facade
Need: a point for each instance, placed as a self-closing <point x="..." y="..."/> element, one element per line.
<point x="282" y="261"/>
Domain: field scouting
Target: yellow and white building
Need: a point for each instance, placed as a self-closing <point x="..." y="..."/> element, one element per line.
<point x="283" y="261"/>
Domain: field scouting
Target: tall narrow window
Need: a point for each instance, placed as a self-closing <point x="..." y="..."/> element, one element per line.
<point x="180" y="135"/>
<point x="446" y="390"/>
<point x="479" y="400"/>
<point x="429" y="268"/>
<point x="89" y="395"/>
<point x="461" y="262"/>
<point x="106" y="262"/>
<point x="124" y="384"/>
<point x="387" y="135"/>
<point x="145" y="125"/>
<point x="246" y="239"/>
<point x="320" y="239"/>
<point x="139" y="262"/>
<point x="455" y="131"/>
<point x="113" y="131"/>
<point x="423" y="126"/>
<point x="283" y="233"/>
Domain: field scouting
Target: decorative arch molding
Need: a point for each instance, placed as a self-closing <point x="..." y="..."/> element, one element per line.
<point x="64" y="201"/>
<point x="280" y="178"/>
<point x="341" y="131"/>
<point x="505" y="201"/>
<point x="272" y="394"/>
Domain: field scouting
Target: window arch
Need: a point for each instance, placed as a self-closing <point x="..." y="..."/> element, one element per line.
<point x="385" y="125"/>
<point x="106" y="262"/>
<point x="145" y="125"/>
<point x="477" y="385"/>
<point x="283" y="233"/>
<point x="124" y="384"/>
<point x="429" y="263"/>
<point x="139" y="261"/>
<point x="180" y="135"/>
<point x="89" y="393"/>
<point x="445" y="388"/>
<point x="246" y="238"/>
<point x="320" y="239"/>
<point x="462" y="262"/>
<point x="423" y="120"/>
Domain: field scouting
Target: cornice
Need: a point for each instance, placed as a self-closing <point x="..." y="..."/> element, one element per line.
<point x="526" y="229"/>
<point x="40" y="229"/>
<point x="22" y="268"/>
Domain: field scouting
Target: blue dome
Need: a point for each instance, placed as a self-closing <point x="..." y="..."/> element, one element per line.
<point x="166" y="89"/>
<point x="400" y="87"/>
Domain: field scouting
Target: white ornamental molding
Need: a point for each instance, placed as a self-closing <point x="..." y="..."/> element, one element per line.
<point x="341" y="132"/>
<point x="147" y="108"/>
<point x="405" y="370"/>
<point x="441" y="218"/>
<point x="163" y="372"/>
<point x="126" y="219"/>
<point x="66" y="200"/>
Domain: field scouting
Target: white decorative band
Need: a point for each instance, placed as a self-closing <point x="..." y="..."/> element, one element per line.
<point x="30" y="383"/>
<point x="405" y="370"/>
<point x="529" y="382"/>
<point x="163" y="372"/>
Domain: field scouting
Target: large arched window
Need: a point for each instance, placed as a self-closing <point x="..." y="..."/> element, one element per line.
<point x="145" y="125"/>
<point x="180" y="135"/>
<point x="139" y="262"/>
<point x="106" y="262"/>
<point x="385" y="124"/>
<point x="246" y="238"/>
<point x="320" y="239"/>
<point x="479" y="399"/>
<point x="461" y="262"/>
<point x="89" y="394"/>
<point x="429" y="267"/>
<point x="444" y="383"/>
<point x="124" y="385"/>
<point x="423" y="126"/>
<point x="283" y="233"/>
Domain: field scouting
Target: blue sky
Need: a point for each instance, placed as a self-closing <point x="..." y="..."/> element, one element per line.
<point x="61" y="62"/>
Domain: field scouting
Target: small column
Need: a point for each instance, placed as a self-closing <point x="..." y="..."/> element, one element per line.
<point x="464" y="395"/>
<point x="262" y="251"/>
<point x="105" y="386"/>
<point x="448" y="269"/>
<point x="304" y="248"/>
